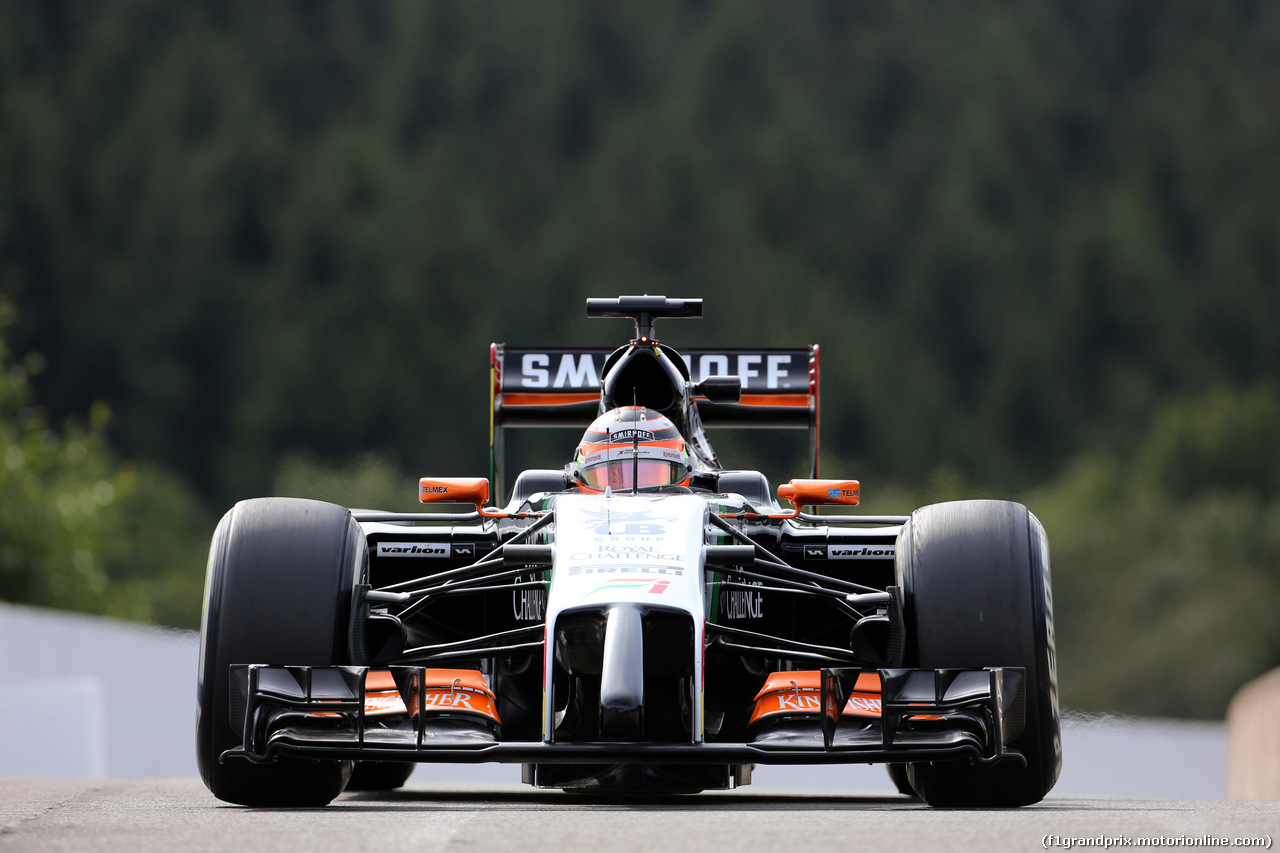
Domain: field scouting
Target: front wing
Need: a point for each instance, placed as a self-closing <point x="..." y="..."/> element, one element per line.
<point x="926" y="715"/>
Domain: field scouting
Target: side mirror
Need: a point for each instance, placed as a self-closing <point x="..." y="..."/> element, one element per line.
<point x="720" y="389"/>
<point x="821" y="493"/>
<point x="454" y="490"/>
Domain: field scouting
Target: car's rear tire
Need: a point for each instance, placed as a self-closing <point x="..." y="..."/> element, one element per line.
<point x="976" y="590"/>
<point x="278" y="590"/>
<point x="380" y="775"/>
<point x="898" y="775"/>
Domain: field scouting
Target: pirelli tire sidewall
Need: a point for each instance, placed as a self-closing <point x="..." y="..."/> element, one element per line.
<point x="977" y="592"/>
<point x="279" y="588"/>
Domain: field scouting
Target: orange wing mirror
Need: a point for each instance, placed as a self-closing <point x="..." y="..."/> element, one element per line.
<point x="821" y="493"/>
<point x="454" y="490"/>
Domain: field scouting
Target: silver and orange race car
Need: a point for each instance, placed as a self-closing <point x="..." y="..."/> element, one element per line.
<point x="642" y="620"/>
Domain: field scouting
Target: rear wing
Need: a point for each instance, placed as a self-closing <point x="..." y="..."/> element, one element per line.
<point x="558" y="387"/>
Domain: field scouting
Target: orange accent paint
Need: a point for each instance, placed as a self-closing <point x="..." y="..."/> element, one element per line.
<point x="379" y="679"/>
<point x="799" y="401"/>
<point x="790" y="701"/>
<point x="794" y="692"/>
<point x="868" y="682"/>
<point x="805" y="679"/>
<point x="468" y="679"/>
<point x="821" y="493"/>
<point x="457" y="490"/>
<point x="444" y="699"/>
<point x="528" y="399"/>
<point x="458" y="690"/>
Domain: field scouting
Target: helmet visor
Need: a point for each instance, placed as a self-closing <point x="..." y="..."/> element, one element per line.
<point x="627" y="473"/>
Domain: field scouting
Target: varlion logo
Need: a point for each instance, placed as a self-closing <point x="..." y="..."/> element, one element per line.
<point x="414" y="549"/>
<point x="860" y="552"/>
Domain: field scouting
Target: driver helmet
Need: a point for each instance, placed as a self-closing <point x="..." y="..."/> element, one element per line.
<point x="631" y="447"/>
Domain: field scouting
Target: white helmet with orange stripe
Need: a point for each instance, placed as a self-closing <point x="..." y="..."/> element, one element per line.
<point x="631" y="447"/>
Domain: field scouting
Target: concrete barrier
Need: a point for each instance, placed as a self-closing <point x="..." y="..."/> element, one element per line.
<point x="1253" y="751"/>
<point x="88" y="696"/>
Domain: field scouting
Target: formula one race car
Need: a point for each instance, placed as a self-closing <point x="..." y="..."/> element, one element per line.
<point x="643" y="620"/>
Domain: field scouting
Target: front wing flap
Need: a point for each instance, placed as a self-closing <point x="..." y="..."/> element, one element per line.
<point x="320" y="712"/>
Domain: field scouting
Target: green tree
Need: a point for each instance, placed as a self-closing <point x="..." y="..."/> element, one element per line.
<point x="1165" y="560"/>
<point x="79" y="530"/>
<point x="59" y="498"/>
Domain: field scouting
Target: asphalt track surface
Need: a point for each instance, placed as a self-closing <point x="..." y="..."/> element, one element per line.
<point x="133" y="815"/>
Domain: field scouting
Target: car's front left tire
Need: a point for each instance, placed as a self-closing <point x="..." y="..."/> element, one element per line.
<point x="976" y="588"/>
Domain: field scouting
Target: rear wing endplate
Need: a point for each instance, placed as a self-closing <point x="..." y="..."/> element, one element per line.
<point x="560" y="387"/>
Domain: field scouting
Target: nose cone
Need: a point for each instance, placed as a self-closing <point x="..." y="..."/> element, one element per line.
<point x="622" y="675"/>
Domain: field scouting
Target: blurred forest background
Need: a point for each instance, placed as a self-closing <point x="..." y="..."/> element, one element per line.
<point x="258" y="248"/>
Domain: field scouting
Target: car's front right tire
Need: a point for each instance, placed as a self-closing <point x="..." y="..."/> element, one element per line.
<point x="279" y="589"/>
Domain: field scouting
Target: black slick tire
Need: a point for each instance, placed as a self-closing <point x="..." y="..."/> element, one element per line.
<point x="898" y="775"/>
<point x="976" y="589"/>
<point x="278" y="590"/>
<point x="380" y="775"/>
